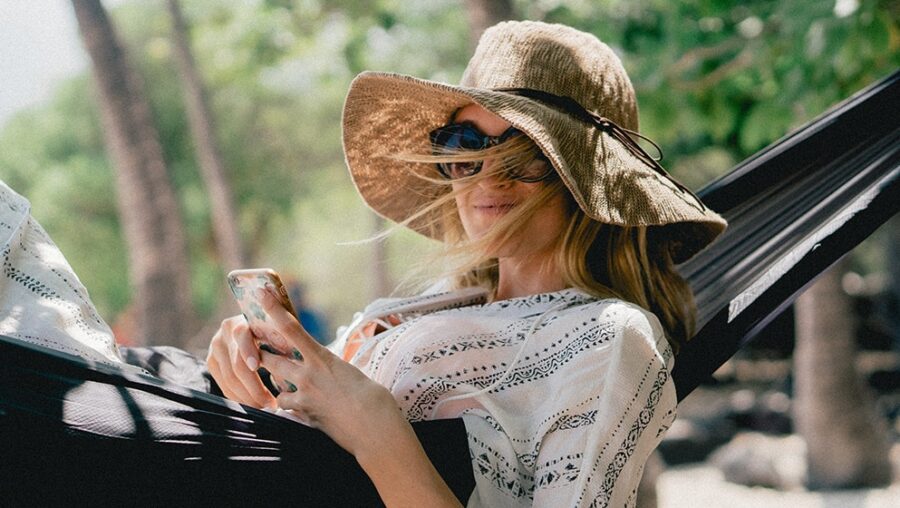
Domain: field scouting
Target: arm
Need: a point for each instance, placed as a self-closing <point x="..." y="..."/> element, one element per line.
<point x="402" y="473"/>
<point x="358" y="413"/>
<point x="635" y="403"/>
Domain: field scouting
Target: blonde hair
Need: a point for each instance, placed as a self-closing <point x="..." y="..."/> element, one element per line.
<point x="604" y="260"/>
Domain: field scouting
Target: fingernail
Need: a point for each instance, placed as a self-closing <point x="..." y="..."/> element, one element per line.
<point x="297" y="355"/>
<point x="290" y="386"/>
<point x="252" y="363"/>
<point x="261" y="294"/>
<point x="269" y="349"/>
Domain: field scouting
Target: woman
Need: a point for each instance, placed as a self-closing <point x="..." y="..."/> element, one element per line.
<point x="560" y="235"/>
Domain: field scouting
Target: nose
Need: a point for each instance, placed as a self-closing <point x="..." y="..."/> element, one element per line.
<point x="494" y="176"/>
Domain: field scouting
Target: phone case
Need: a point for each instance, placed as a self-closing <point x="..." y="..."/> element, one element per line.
<point x="243" y="284"/>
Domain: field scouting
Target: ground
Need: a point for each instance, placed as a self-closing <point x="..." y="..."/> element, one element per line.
<point x="701" y="485"/>
<point x="753" y="406"/>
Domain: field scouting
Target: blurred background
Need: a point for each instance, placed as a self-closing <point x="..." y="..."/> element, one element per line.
<point x="163" y="143"/>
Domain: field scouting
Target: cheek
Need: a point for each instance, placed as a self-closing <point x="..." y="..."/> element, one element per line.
<point x="554" y="218"/>
<point x="460" y="198"/>
<point x="464" y="210"/>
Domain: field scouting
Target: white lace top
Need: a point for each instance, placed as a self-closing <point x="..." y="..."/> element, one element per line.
<point x="564" y="396"/>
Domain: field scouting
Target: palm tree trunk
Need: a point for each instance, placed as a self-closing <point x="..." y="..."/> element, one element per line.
<point x="483" y="14"/>
<point x="892" y="306"/>
<point x="148" y="207"/>
<point x="224" y="217"/>
<point x="847" y="445"/>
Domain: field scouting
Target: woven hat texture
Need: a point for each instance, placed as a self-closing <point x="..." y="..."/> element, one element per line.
<point x="387" y="114"/>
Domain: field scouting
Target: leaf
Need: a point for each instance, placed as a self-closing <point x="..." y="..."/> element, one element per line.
<point x="765" y="123"/>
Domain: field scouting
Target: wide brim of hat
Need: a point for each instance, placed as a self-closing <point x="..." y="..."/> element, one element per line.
<point x="386" y="115"/>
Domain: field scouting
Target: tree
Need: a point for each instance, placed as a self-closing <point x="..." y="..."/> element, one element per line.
<point x="847" y="446"/>
<point x="148" y="207"/>
<point x="281" y="69"/>
<point x="212" y="167"/>
<point x="483" y="14"/>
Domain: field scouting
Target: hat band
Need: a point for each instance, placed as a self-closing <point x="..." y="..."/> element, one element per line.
<point x="621" y="134"/>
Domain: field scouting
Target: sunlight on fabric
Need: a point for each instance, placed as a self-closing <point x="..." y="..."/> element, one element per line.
<point x="778" y="269"/>
<point x="117" y="411"/>
<point x="43" y="247"/>
<point x="239" y="458"/>
<point x="116" y="420"/>
<point x="11" y="321"/>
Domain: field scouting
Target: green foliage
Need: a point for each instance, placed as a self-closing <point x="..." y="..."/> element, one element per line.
<point x="716" y="80"/>
<point x="738" y="75"/>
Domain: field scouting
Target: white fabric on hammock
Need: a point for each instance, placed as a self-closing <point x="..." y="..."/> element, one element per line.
<point x="41" y="299"/>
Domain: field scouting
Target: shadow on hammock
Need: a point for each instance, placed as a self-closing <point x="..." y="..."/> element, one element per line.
<point x="75" y="431"/>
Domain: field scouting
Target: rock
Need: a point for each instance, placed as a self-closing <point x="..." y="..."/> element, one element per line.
<point x="756" y="459"/>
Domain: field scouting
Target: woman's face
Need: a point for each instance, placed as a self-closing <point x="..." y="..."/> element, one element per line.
<point x="483" y="202"/>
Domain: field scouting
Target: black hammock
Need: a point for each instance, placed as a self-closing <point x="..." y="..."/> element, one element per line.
<point x="76" y="433"/>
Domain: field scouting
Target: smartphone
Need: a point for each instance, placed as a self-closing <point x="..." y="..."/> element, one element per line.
<point x="243" y="284"/>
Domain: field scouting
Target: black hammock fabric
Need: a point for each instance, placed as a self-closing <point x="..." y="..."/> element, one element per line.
<point x="72" y="433"/>
<point x="793" y="210"/>
<point x="76" y="433"/>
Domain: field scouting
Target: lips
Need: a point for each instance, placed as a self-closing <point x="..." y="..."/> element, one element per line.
<point x="495" y="207"/>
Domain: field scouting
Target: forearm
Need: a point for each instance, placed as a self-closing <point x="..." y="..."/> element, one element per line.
<point x="403" y="473"/>
<point x="359" y="414"/>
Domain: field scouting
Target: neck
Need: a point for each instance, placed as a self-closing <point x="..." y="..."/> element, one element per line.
<point x="518" y="278"/>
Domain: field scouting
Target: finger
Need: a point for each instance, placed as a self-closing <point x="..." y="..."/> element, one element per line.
<point x="286" y="323"/>
<point x="250" y="381"/>
<point x="238" y="331"/>
<point x="244" y="397"/>
<point x="297" y="403"/>
<point x="286" y="386"/>
<point x="283" y="368"/>
<point x="246" y="346"/>
<point x="230" y="372"/>
<point x="214" y="371"/>
<point x="230" y="387"/>
<point x="214" y="362"/>
<point x="231" y="394"/>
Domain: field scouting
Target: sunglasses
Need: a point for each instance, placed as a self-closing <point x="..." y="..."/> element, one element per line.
<point x="456" y="137"/>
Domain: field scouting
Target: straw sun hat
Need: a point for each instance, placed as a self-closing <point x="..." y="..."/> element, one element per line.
<point x="565" y="90"/>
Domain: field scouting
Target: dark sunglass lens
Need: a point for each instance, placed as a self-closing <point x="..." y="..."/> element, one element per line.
<point x="470" y="139"/>
<point x="508" y="134"/>
<point x="444" y="137"/>
<point x="458" y="137"/>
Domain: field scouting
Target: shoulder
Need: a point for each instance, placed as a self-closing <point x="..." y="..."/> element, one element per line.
<point x="622" y="313"/>
<point x="633" y="329"/>
<point x="428" y="302"/>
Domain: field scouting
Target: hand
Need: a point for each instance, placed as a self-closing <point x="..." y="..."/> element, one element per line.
<point x="233" y="359"/>
<point x="326" y="392"/>
<point x="359" y="414"/>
